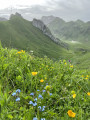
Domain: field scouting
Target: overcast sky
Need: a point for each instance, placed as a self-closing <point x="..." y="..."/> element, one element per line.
<point x="66" y="9"/>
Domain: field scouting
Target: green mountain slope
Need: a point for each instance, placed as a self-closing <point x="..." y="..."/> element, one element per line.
<point x="76" y="34"/>
<point x="73" y="30"/>
<point x="21" y="34"/>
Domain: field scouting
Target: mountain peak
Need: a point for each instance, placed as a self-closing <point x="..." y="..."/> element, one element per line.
<point x="16" y="14"/>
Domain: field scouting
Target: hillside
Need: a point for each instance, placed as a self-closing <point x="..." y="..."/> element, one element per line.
<point x="21" y="34"/>
<point x="76" y="34"/>
<point x="34" y="88"/>
<point x="73" y="30"/>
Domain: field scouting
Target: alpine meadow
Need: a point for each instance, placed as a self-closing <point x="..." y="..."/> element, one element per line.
<point x="44" y="63"/>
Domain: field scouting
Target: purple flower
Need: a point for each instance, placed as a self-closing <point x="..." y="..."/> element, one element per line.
<point x="69" y="60"/>
<point x="32" y="94"/>
<point x="13" y="94"/>
<point x="30" y="102"/>
<point x="18" y="90"/>
<point x="17" y="99"/>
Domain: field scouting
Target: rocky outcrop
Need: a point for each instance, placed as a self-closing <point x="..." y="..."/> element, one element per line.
<point x="39" y="24"/>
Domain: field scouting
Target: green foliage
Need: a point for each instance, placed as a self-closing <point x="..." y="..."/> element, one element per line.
<point x="18" y="86"/>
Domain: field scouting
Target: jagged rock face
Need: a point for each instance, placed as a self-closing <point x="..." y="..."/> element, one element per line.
<point x="39" y="24"/>
<point x="3" y="19"/>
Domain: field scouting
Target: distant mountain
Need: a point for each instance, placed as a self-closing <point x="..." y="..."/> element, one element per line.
<point x="73" y="30"/>
<point x="3" y="19"/>
<point x="76" y="34"/>
<point x="21" y="34"/>
<point x="47" y="19"/>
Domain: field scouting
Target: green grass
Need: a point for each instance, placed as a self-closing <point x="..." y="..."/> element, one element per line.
<point x="62" y="78"/>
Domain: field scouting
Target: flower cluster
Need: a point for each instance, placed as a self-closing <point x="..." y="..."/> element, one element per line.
<point x="34" y="73"/>
<point x="16" y="94"/>
<point x="71" y="114"/>
<point x="19" y="52"/>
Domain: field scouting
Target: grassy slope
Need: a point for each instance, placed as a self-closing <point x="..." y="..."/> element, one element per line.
<point x="63" y="81"/>
<point x="20" y="33"/>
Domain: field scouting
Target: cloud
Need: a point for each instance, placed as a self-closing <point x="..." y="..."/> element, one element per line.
<point x="66" y="9"/>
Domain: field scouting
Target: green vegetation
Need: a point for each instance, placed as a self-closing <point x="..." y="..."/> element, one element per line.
<point x="32" y="87"/>
<point x="21" y="34"/>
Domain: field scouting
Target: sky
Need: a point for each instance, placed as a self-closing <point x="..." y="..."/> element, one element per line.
<point x="65" y="9"/>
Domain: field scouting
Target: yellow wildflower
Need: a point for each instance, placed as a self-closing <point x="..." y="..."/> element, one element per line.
<point x="82" y="75"/>
<point x="41" y="80"/>
<point x="34" y="73"/>
<point x="65" y="63"/>
<point x="71" y="66"/>
<point x="23" y="51"/>
<point x="74" y="95"/>
<point x="18" y="52"/>
<point x="88" y="93"/>
<point x="86" y="78"/>
<point x="71" y="114"/>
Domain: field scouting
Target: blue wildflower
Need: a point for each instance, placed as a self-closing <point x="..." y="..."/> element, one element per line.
<point x="42" y="118"/>
<point x="38" y="90"/>
<point x="50" y="94"/>
<point x="43" y="108"/>
<point x="35" y="99"/>
<point x="40" y="96"/>
<point x="17" y="99"/>
<point x="44" y="90"/>
<point x="34" y="118"/>
<point x="32" y="94"/>
<point x="35" y="104"/>
<point x="13" y="94"/>
<point x="39" y="107"/>
<point x="18" y="90"/>
<point x="30" y="102"/>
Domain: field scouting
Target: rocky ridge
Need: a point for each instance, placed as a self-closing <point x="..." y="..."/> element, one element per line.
<point x="39" y="24"/>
